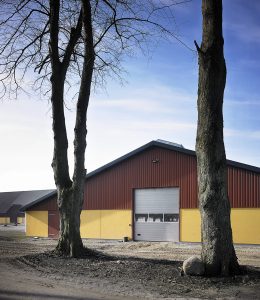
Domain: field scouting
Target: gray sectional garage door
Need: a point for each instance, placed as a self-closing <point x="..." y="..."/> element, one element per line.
<point x="156" y="214"/>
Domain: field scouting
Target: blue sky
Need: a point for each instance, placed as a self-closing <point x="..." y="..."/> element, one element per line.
<point x="157" y="102"/>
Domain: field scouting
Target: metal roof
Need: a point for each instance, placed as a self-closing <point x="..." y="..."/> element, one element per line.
<point x="169" y="146"/>
<point x="170" y="143"/>
<point x="10" y="201"/>
<point x="156" y="143"/>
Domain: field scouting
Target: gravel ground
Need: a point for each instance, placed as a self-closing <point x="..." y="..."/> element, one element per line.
<point x="29" y="270"/>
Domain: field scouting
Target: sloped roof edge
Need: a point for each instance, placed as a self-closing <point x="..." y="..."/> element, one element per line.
<point x="18" y="199"/>
<point x="45" y="197"/>
<point x="154" y="143"/>
<point x="168" y="146"/>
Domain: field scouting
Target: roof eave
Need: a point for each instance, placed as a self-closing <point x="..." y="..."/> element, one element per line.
<point x="45" y="197"/>
<point x="138" y="151"/>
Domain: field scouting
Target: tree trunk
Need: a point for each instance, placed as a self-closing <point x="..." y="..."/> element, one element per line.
<point x="218" y="252"/>
<point x="70" y="192"/>
<point x="70" y="195"/>
<point x="70" y="242"/>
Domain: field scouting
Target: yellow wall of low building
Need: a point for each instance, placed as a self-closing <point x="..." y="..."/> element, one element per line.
<point x="190" y="225"/>
<point x="106" y="224"/>
<point x="37" y="223"/>
<point x="20" y="220"/>
<point x="4" y="220"/>
<point x="245" y="224"/>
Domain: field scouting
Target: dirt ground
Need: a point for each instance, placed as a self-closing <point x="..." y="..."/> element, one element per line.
<point x="132" y="270"/>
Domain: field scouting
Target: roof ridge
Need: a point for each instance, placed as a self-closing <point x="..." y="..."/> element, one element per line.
<point x="169" y="146"/>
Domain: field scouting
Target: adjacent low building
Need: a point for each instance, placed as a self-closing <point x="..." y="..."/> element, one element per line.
<point x="12" y="202"/>
<point x="150" y="194"/>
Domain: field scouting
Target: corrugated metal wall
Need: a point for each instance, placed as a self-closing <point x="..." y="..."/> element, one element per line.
<point x="49" y="204"/>
<point x="113" y="188"/>
<point x="243" y="188"/>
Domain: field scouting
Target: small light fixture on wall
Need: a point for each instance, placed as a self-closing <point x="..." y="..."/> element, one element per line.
<point x="155" y="161"/>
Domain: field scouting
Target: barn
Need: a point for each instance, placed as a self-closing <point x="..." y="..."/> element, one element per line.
<point x="150" y="194"/>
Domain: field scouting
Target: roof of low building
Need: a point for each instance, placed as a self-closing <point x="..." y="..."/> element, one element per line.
<point x="10" y="201"/>
<point x="156" y="143"/>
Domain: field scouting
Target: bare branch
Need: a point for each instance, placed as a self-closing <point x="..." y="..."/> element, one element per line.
<point x="120" y="28"/>
<point x="199" y="50"/>
<point x="74" y="37"/>
<point x="54" y="33"/>
<point x="18" y="8"/>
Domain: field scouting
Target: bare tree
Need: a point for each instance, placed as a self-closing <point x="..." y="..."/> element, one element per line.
<point x="67" y="44"/>
<point x="218" y="252"/>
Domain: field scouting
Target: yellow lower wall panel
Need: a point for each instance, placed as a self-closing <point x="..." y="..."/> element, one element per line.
<point x="90" y="224"/>
<point x="190" y="225"/>
<point x="245" y="224"/>
<point x="106" y="224"/>
<point x="4" y="220"/>
<point x="116" y="224"/>
<point x="37" y="223"/>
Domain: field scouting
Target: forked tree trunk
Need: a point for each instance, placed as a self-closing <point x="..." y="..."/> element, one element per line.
<point x="218" y="252"/>
<point x="70" y="192"/>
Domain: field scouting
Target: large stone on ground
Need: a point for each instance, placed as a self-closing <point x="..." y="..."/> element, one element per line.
<point x="193" y="266"/>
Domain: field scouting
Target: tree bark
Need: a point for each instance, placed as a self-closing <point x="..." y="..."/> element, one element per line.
<point x="218" y="252"/>
<point x="70" y="192"/>
<point x="70" y="204"/>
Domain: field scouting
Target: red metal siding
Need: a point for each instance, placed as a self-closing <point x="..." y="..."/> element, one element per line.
<point x="243" y="188"/>
<point x="112" y="189"/>
<point x="53" y="224"/>
<point x="49" y="204"/>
